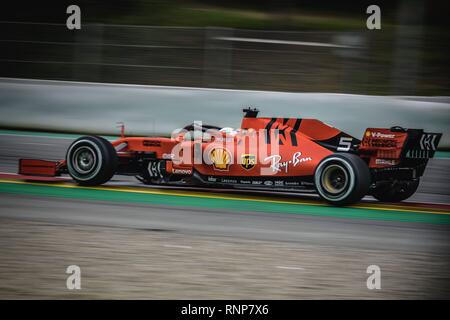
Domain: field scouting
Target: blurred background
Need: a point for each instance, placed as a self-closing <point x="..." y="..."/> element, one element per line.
<point x="305" y="58"/>
<point x="284" y="45"/>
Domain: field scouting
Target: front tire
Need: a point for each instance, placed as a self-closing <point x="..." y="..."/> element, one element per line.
<point x="342" y="179"/>
<point x="91" y="160"/>
<point x="395" y="191"/>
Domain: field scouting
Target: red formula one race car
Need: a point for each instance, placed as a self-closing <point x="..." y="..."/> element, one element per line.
<point x="264" y="153"/>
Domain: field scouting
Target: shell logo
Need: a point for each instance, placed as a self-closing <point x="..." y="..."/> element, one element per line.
<point x="220" y="159"/>
<point x="367" y="133"/>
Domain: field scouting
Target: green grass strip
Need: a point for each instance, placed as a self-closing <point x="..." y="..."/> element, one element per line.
<point x="217" y="203"/>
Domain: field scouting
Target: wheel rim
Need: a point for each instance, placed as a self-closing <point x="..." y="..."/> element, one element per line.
<point x="334" y="179"/>
<point x="84" y="160"/>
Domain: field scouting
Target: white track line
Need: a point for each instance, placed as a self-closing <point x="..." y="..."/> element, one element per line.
<point x="290" y="268"/>
<point x="177" y="246"/>
<point x="295" y="43"/>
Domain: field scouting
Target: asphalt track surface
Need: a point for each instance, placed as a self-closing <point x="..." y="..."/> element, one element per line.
<point x="229" y="244"/>
<point x="230" y="219"/>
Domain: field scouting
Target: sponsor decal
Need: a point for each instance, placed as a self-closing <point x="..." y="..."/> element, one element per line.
<point x="278" y="166"/>
<point x="151" y="143"/>
<point x="268" y="183"/>
<point x="382" y="135"/>
<point x="292" y="183"/>
<point x="121" y="146"/>
<point x="257" y="182"/>
<point x="245" y="182"/>
<point x="279" y="183"/>
<point x="182" y="171"/>
<point x="248" y="161"/>
<point x="224" y="180"/>
<point x="212" y="179"/>
<point x="220" y="159"/>
<point x="385" y="162"/>
<point x="168" y="156"/>
<point x="382" y="143"/>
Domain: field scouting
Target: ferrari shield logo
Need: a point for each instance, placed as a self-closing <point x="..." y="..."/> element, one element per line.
<point x="220" y="159"/>
<point x="248" y="161"/>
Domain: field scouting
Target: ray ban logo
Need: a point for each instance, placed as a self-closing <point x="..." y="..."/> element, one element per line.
<point x="278" y="166"/>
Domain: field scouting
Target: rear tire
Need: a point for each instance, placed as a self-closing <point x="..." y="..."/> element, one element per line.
<point x="395" y="191"/>
<point x="91" y="160"/>
<point x="342" y="179"/>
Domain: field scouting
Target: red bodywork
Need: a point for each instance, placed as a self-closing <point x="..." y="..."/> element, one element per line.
<point x="302" y="144"/>
<point x="291" y="139"/>
<point x="35" y="167"/>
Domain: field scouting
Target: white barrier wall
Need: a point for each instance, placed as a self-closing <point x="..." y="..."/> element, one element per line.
<point x="150" y="110"/>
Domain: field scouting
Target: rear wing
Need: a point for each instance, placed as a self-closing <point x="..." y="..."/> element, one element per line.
<point x="421" y="144"/>
<point x="388" y="147"/>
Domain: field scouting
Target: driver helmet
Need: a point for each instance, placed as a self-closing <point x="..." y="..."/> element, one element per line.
<point x="228" y="131"/>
